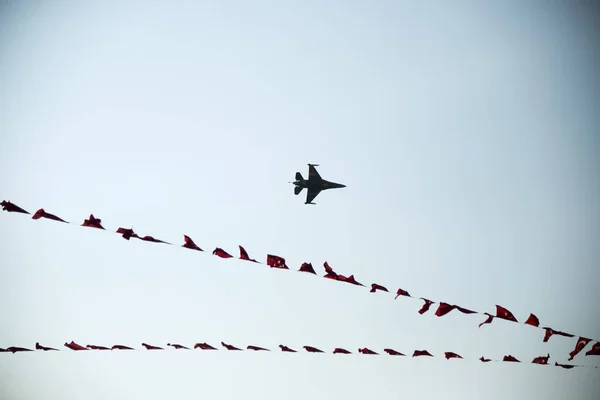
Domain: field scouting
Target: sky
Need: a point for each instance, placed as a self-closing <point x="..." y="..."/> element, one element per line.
<point x="466" y="133"/>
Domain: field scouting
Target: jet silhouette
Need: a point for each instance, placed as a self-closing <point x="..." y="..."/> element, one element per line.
<point x="314" y="184"/>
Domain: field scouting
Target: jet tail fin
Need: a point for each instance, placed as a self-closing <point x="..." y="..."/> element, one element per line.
<point x="297" y="190"/>
<point x="299" y="176"/>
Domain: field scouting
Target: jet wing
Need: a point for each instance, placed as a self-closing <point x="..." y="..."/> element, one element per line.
<point x="313" y="175"/>
<point x="311" y="194"/>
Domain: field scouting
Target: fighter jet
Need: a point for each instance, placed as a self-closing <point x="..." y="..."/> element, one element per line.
<point x="314" y="184"/>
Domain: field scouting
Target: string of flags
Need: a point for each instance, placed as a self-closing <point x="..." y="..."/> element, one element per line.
<point x="541" y="360"/>
<point x="275" y="261"/>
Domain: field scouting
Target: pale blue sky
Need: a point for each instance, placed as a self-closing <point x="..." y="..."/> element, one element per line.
<point x="466" y="133"/>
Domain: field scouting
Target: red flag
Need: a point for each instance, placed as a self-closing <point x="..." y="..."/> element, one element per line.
<point x="426" y="306"/>
<point x="595" y="350"/>
<point x="375" y="287"/>
<point x="483" y="359"/>
<point x="349" y="279"/>
<point x="367" y="351"/>
<point x="565" y="366"/>
<point x="393" y="352"/>
<point x="204" y="346"/>
<point x="443" y="309"/>
<point x="121" y="347"/>
<point x="307" y="267"/>
<point x="151" y="239"/>
<point x="177" y="346"/>
<point x="541" y="360"/>
<point x="10" y="207"/>
<point x="127" y="233"/>
<point x="339" y="350"/>
<point x="94" y="347"/>
<point x="533" y="320"/>
<point x="40" y="347"/>
<point x="189" y="243"/>
<point x="286" y="349"/>
<point x="229" y="347"/>
<point x="449" y="355"/>
<point x="75" y="346"/>
<point x="14" y="349"/>
<point x="581" y="343"/>
<point x="256" y="348"/>
<point x="311" y="349"/>
<point x="465" y="310"/>
<point x="150" y="347"/>
<point x="401" y="292"/>
<point x="510" y="358"/>
<point x="419" y="353"/>
<point x="503" y="313"/>
<point x="93" y="222"/>
<point x="276" y="262"/>
<point x="550" y="332"/>
<point x="244" y="255"/>
<point x="43" y="214"/>
<point x="221" y="253"/>
<point x="489" y="319"/>
<point x="330" y="274"/>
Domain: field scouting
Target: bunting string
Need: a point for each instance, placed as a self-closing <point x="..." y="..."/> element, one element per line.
<point x="275" y="261"/>
<point x="448" y="355"/>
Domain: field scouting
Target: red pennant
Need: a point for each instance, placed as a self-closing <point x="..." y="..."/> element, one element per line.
<point x="256" y="348"/>
<point x="127" y="233"/>
<point x="286" y="349"/>
<point x="393" y="352"/>
<point x="449" y="355"/>
<point x="311" y="349"/>
<point x="307" y="267"/>
<point x="565" y="366"/>
<point x="330" y="274"/>
<point x="40" y="347"/>
<point x="276" y="262"/>
<point x="401" y="292"/>
<point x="121" y="347"/>
<point x="349" y="279"/>
<point x="221" y="253"/>
<point x="14" y="349"/>
<point x="375" y="287"/>
<point x="93" y="222"/>
<point x="43" y="214"/>
<point x="550" y="332"/>
<point x="229" y="347"/>
<point x="10" y="207"/>
<point x="541" y="360"/>
<point x="503" y="313"/>
<point x="465" y="310"/>
<point x="489" y="319"/>
<point x="365" y="350"/>
<point x="94" y="347"/>
<point x="189" y="243"/>
<point x="419" y="353"/>
<point x="443" y="309"/>
<point x="533" y="320"/>
<point x="581" y="343"/>
<point x="177" y="346"/>
<point x="75" y="346"/>
<point x="339" y="350"/>
<point x="151" y="239"/>
<point x="483" y="359"/>
<point x="204" y="346"/>
<point x="426" y="306"/>
<point x="150" y="347"/>
<point x="244" y="255"/>
<point x="594" y="351"/>
<point x="510" y="358"/>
